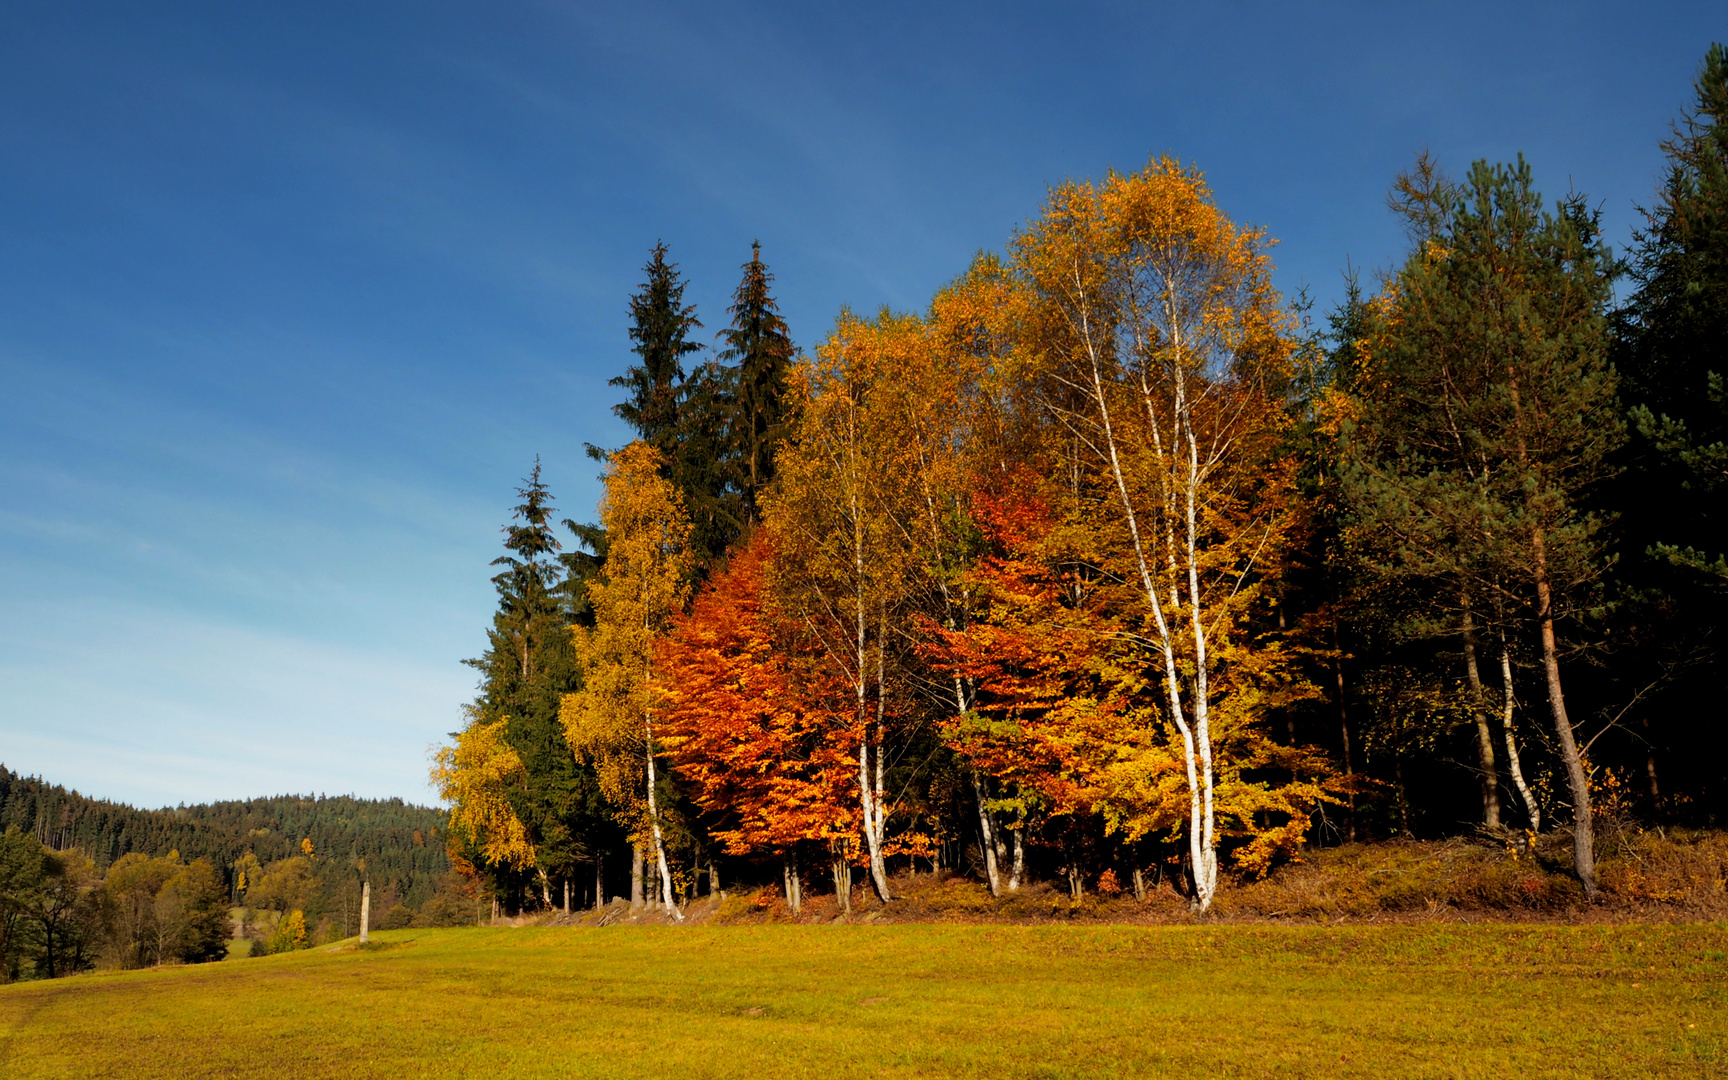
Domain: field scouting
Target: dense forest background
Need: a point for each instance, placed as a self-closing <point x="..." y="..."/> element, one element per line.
<point x="84" y="881"/>
<point x="400" y="846"/>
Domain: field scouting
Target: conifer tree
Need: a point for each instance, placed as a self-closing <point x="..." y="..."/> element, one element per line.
<point x="685" y="417"/>
<point x="529" y="665"/>
<point x="1673" y="328"/>
<point x="1674" y="370"/>
<point x="1487" y="418"/>
<point x="660" y="324"/>
<point x="760" y="348"/>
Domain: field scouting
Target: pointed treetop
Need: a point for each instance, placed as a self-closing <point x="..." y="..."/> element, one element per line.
<point x="660" y="323"/>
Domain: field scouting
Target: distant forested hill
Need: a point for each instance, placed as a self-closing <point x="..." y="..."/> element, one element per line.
<point x="402" y="845"/>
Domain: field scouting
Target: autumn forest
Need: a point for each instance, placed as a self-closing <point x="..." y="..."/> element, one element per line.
<point x="1114" y="567"/>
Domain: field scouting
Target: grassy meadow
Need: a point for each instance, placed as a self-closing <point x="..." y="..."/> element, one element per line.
<point x="938" y="1001"/>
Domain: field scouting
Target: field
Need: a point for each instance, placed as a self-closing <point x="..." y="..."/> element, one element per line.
<point x="938" y="1001"/>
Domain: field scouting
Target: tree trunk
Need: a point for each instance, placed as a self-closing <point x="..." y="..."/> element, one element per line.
<point x="1577" y="780"/>
<point x="841" y="867"/>
<point x="1507" y="704"/>
<point x="794" y="889"/>
<point x="365" y="913"/>
<point x="1344" y="735"/>
<point x="867" y="787"/>
<point x="1650" y="768"/>
<point x="1205" y="842"/>
<point x="636" y="898"/>
<point x="659" y="840"/>
<point x="879" y="862"/>
<point x="1484" y="737"/>
<point x="1017" y="869"/>
<point x="599" y="880"/>
<point x="1403" y="804"/>
<point x="988" y="834"/>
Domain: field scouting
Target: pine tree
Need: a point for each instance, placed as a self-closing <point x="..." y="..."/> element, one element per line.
<point x="1487" y="418"/>
<point x="760" y="347"/>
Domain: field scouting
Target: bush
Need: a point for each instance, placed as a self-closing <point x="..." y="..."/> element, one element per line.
<point x="446" y="909"/>
<point x="290" y="934"/>
<point x="399" y="917"/>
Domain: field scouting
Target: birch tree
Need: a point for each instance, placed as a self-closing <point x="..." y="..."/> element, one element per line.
<point x="1161" y="348"/>
<point x="476" y="775"/>
<point x="839" y="511"/>
<point x="644" y="582"/>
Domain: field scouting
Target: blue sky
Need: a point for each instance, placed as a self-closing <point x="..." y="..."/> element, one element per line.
<point x="292" y="295"/>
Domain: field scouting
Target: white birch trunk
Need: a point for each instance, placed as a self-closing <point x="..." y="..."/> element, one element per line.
<point x="1508" y="704"/>
<point x="636" y="898"/>
<point x="1484" y="737"/>
<point x="365" y="913"/>
<point x="1196" y="742"/>
<point x="659" y="841"/>
<point x="794" y="890"/>
<point x="989" y="838"/>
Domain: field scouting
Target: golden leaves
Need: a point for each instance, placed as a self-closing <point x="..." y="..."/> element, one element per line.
<point x="475" y="776"/>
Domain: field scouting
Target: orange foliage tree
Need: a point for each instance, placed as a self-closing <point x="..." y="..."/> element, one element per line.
<point x="732" y="690"/>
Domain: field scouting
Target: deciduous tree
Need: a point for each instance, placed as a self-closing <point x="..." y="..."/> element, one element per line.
<point x="645" y="581"/>
<point x="1163" y="355"/>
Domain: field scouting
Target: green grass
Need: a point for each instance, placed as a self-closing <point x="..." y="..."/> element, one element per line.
<point x="939" y="1001"/>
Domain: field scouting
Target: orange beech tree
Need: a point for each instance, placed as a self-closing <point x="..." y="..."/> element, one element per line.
<point x="733" y="688"/>
<point x="1032" y="652"/>
<point x="644" y="582"/>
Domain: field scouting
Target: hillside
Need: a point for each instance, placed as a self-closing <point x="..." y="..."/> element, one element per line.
<point x="402" y="845"/>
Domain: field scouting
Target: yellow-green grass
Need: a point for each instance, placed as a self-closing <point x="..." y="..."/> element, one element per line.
<point x="940" y="1001"/>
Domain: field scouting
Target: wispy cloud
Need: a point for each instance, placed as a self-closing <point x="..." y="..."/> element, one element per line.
<point x="152" y="706"/>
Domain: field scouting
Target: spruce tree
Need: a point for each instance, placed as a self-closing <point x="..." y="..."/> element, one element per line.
<point x="685" y="417"/>
<point x="660" y="324"/>
<point x="528" y="667"/>
<point x="1672" y="334"/>
<point x="759" y="347"/>
<point x="1674" y="560"/>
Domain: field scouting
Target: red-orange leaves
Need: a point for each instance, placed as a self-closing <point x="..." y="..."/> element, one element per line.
<point x="738" y="722"/>
<point x="1039" y="653"/>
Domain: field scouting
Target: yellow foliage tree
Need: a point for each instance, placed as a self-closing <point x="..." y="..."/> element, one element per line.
<point x="846" y="514"/>
<point x="1160" y="352"/>
<point x="475" y="776"/>
<point x="645" y="580"/>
